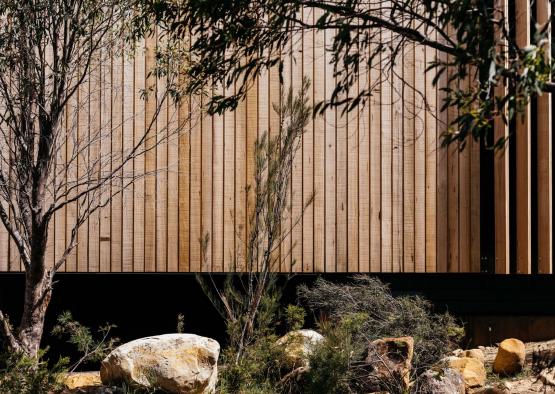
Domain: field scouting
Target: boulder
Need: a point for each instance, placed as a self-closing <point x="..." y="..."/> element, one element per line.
<point x="389" y="360"/>
<point x="446" y="380"/>
<point x="510" y="358"/>
<point x="472" y="370"/>
<point x="75" y="380"/>
<point x="297" y="346"/>
<point x="474" y="353"/>
<point x="176" y="363"/>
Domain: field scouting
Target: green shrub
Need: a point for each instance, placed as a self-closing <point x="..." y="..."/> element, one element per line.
<point x="387" y="316"/>
<point x="294" y="317"/>
<point x="24" y="375"/>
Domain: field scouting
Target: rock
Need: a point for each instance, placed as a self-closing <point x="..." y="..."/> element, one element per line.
<point x="457" y="352"/>
<point x="447" y="380"/>
<point x="492" y="390"/>
<point x="298" y="346"/>
<point x="74" y="380"/>
<point x="547" y="376"/>
<point x="510" y="357"/>
<point x="472" y="370"/>
<point x="474" y="353"/>
<point x="176" y="363"/>
<point x="389" y="359"/>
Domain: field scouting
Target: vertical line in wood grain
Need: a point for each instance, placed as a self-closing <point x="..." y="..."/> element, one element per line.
<point x="296" y="214"/>
<point x="431" y="133"/>
<point x="173" y="186"/>
<point x="523" y="156"/>
<point x="195" y="229"/>
<point x="263" y="107"/>
<point x="318" y="81"/>
<point x="185" y="183"/>
<point x="240" y="185"/>
<point x="375" y="140"/>
<point x="150" y="157"/>
<point x="251" y="136"/>
<point x="229" y="190"/>
<point x="206" y="189"/>
<point x="453" y="196"/>
<point x="139" y="162"/>
<point x="274" y="100"/>
<point x="161" y="190"/>
<point x="218" y="216"/>
<point x="364" y="222"/>
<point x="352" y="158"/>
<point x="501" y="167"/>
<point x="127" y="141"/>
<point x="408" y="144"/>
<point x="71" y="174"/>
<point x="82" y="166"/>
<point x="420" y="144"/>
<point x="386" y="175"/>
<point x="330" y="156"/>
<point x="105" y="153"/>
<point x="475" y="222"/>
<point x="308" y="149"/>
<point x="544" y="170"/>
<point x="93" y="163"/>
<point x="442" y="177"/>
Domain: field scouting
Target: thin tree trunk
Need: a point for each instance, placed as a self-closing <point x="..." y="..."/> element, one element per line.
<point x="38" y="291"/>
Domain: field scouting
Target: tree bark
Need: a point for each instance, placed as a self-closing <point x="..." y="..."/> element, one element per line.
<point x="38" y="291"/>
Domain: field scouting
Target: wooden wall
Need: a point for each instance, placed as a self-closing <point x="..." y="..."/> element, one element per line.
<point x="387" y="197"/>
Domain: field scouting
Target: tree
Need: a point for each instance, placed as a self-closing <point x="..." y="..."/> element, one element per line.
<point x="49" y="52"/>
<point x="234" y="40"/>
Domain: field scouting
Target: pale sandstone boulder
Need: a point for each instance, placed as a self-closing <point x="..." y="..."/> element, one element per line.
<point x="472" y="370"/>
<point x="298" y="346"/>
<point x="510" y="358"/>
<point x="474" y="353"/>
<point x="176" y="363"/>
<point x="75" y="380"/>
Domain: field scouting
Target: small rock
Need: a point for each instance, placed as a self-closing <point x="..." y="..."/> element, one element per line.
<point x="474" y="353"/>
<point x="510" y="357"/>
<point x="547" y="376"/>
<point x="472" y="370"/>
<point x="389" y="359"/>
<point x="176" y="363"/>
<point x="447" y="380"/>
<point x="74" y="380"/>
<point x="298" y="346"/>
<point x="492" y="390"/>
<point x="457" y="352"/>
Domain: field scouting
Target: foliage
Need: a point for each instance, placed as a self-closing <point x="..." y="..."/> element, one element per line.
<point x="90" y="348"/>
<point x="294" y="317"/>
<point x="248" y="302"/>
<point x="236" y="40"/>
<point x="22" y="374"/>
<point x="334" y="363"/>
<point x="387" y="316"/>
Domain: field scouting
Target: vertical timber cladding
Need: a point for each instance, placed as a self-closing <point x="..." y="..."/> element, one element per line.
<point x="387" y="196"/>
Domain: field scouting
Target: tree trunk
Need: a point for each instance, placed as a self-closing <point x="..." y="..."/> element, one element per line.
<point x="38" y="282"/>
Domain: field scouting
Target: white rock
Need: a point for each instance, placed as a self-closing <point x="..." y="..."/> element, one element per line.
<point x="298" y="346"/>
<point x="176" y="363"/>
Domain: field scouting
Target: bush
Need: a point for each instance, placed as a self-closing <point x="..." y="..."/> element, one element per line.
<point x="24" y="375"/>
<point x="387" y="316"/>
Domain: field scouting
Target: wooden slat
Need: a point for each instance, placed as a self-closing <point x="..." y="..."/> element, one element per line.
<point x="375" y="141"/>
<point x="161" y="191"/>
<point x="218" y="192"/>
<point x="352" y="177"/>
<point x="501" y="171"/>
<point x="420" y="160"/>
<point x="408" y="142"/>
<point x="82" y="166"/>
<point x="386" y="167"/>
<point x="105" y="152"/>
<point x="150" y="159"/>
<point x="364" y="222"/>
<point x="330" y="181"/>
<point x="431" y="124"/>
<point x="318" y="83"/>
<point x="229" y="192"/>
<point x="127" y="141"/>
<point x="397" y="153"/>
<point x="139" y="164"/>
<point x="240" y="184"/>
<point x="308" y="151"/>
<point x="251" y="135"/>
<point x="544" y="157"/>
<point x="173" y="187"/>
<point x="523" y="157"/>
<point x="184" y="183"/>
